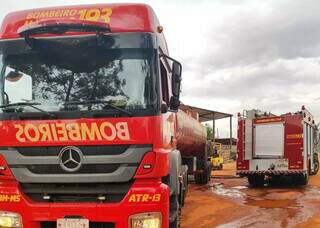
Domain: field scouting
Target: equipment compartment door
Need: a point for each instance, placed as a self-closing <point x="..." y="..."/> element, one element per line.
<point x="269" y="140"/>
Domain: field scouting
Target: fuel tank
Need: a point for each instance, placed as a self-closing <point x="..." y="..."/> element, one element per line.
<point x="191" y="134"/>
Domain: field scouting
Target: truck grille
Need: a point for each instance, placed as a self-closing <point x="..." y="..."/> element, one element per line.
<point x="89" y="168"/>
<point x="76" y="192"/>
<point x="106" y="171"/>
<point x="87" y="150"/>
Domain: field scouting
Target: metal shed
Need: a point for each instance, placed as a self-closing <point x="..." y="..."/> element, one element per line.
<point x="206" y="115"/>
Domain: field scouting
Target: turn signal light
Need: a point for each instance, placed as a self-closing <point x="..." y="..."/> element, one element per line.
<point x="147" y="164"/>
<point x="4" y="170"/>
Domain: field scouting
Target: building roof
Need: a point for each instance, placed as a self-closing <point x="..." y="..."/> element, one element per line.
<point x="208" y="115"/>
<point x="226" y="141"/>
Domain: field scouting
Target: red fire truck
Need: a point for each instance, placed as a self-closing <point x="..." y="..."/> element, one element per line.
<point x="90" y="130"/>
<point x="274" y="146"/>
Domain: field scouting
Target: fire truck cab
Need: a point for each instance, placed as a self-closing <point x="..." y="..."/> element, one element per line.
<point x="88" y="103"/>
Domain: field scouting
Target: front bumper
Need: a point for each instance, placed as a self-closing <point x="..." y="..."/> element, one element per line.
<point x="143" y="196"/>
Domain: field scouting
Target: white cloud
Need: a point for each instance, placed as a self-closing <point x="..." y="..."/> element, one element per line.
<point x="237" y="54"/>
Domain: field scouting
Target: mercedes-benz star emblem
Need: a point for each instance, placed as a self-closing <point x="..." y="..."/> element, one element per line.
<point x="70" y="158"/>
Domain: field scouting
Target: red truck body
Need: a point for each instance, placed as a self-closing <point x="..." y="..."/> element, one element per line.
<point x="191" y="135"/>
<point x="124" y="156"/>
<point x="270" y="145"/>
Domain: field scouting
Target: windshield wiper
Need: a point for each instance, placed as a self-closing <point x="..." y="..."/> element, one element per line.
<point x="28" y="104"/>
<point x="61" y="28"/>
<point x="106" y="103"/>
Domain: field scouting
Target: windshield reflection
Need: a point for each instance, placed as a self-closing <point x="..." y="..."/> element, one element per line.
<point x="58" y="74"/>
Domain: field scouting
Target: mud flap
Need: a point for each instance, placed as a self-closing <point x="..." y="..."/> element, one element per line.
<point x="183" y="185"/>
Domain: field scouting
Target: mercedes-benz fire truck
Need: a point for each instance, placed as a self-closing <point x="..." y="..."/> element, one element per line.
<point x="275" y="146"/>
<point x="91" y="134"/>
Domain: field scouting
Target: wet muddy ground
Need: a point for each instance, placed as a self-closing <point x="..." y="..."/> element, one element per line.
<point x="228" y="201"/>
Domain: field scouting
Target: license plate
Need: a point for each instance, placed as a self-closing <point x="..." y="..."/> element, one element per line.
<point x="282" y="164"/>
<point x="72" y="223"/>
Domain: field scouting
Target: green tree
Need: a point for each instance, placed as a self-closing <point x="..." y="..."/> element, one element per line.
<point x="209" y="131"/>
<point x="318" y="139"/>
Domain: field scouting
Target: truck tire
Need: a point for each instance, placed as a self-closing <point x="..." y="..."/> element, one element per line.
<point x="208" y="174"/>
<point x="256" y="180"/>
<point x="203" y="174"/>
<point x="303" y="179"/>
<point x="202" y="177"/>
<point x="198" y="178"/>
<point x="175" y="211"/>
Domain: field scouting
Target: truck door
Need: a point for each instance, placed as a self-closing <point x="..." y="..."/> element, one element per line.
<point x="269" y="140"/>
<point x="308" y="149"/>
<point x="168" y="116"/>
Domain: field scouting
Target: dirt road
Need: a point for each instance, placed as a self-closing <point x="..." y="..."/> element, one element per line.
<point x="229" y="202"/>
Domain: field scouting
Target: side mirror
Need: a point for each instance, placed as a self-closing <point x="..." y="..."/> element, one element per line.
<point x="176" y="86"/>
<point x="174" y="103"/>
<point x="176" y="70"/>
<point x="164" y="107"/>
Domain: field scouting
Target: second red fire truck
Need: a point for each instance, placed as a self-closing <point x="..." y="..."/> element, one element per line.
<point x="274" y="146"/>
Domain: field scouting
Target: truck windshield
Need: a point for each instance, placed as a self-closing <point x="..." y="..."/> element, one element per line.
<point x="62" y="76"/>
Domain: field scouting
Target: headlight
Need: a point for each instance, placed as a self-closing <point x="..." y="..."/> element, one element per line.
<point x="10" y="220"/>
<point x="146" y="220"/>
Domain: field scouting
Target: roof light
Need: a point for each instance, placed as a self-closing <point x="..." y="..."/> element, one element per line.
<point x="160" y="29"/>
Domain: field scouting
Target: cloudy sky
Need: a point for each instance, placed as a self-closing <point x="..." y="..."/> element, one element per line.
<point x="236" y="54"/>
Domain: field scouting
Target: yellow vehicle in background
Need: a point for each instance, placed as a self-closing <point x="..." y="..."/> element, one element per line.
<point x="216" y="158"/>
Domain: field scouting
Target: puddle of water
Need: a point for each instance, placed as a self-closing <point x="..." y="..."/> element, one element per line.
<point x="277" y="207"/>
<point x="267" y="203"/>
<point x="234" y="193"/>
<point x="240" y="187"/>
<point x="288" y="195"/>
<point x="269" y="206"/>
<point x="256" y="219"/>
<point x="313" y="193"/>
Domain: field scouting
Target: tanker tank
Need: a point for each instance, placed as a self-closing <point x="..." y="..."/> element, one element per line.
<point x="191" y="134"/>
